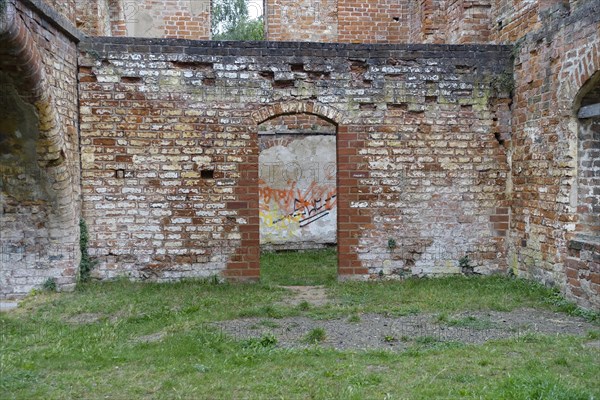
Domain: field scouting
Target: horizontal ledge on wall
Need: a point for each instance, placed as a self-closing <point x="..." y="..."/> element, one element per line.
<point x="591" y="111"/>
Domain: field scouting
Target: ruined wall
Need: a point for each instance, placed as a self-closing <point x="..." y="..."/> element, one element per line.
<point x="307" y="21"/>
<point x="346" y="21"/>
<point x="170" y="152"/>
<point x="188" y="19"/>
<point x="380" y="21"/>
<point x="39" y="150"/>
<point x="555" y="56"/>
<point x="94" y="16"/>
<point x="66" y="8"/>
<point x="297" y="183"/>
<point x="468" y="21"/>
<point x="377" y="21"/>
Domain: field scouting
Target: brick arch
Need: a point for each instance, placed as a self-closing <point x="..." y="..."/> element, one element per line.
<point x="22" y="64"/>
<point x="326" y="112"/>
<point x="574" y="76"/>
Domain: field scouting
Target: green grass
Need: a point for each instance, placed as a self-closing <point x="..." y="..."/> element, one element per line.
<point x="315" y="336"/>
<point x="124" y="340"/>
<point x="292" y="268"/>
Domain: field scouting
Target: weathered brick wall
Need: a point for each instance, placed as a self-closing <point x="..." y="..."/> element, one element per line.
<point x="468" y="21"/>
<point x="39" y="163"/>
<point x="428" y="21"/>
<point x="588" y="176"/>
<point x="94" y="16"/>
<point x="170" y="152"/>
<point x="306" y="21"/>
<point x="346" y="21"/>
<point x="381" y="21"/>
<point x="376" y="21"/>
<point x="554" y="59"/>
<point x="187" y="19"/>
<point x="67" y="8"/>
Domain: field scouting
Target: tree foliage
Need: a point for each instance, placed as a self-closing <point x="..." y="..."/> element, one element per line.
<point x="231" y="21"/>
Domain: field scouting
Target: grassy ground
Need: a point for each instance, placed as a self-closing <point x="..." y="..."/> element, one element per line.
<point x="123" y="340"/>
<point x="291" y="268"/>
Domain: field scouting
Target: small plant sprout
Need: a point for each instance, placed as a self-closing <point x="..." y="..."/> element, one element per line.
<point x="465" y="266"/>
<point x="391" y="244"/>
<point x="389" y="339"/>
<point x="315" y="336"/>
<point x="354" y="318"/>
<point x="49" y="285"/>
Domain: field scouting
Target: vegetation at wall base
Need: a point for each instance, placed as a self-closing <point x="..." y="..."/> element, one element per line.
<point x="123" y="339"/>
<point x="86" y="264"/>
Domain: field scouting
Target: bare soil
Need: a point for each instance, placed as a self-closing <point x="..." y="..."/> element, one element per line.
<point x="374" y="331"/>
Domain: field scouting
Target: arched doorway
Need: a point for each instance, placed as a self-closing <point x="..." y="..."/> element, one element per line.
<point x="298" y="199"/>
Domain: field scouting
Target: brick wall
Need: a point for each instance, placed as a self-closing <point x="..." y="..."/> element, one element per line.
<point x="468" y="21"/>
<point x="381" y="21"/>
<point x="187" y="19"/>
<point x="307" y="21"/>
<point x="170" y="153"/>
<point x="39" y="163"/>
<point x="378" y="21"/>
<point x="555" y="57"/>
<point x="67" y="8"/>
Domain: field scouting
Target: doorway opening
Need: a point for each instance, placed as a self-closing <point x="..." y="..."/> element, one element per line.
<point x="298" y="200"/>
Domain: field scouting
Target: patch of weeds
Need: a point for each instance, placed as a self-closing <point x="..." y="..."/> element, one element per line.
<point x="392" y="244"/>
<point x="517" y="387"/>
<point x="266" y="341"/>
<point x="365" y="380"/>
<point x="402" y="312"/>
<point x="354" y="318"/>
<point x="389" y="339"/>
<point x="49" y="285"/>
<point x="593" y="335"/>
<point x="303" y="306"/>
<point x="426" y="340"/>
<point x="483" y="363"/>
<point x="264" y="311"/>
<point x="315" y="336"/>
<point x="556" y="299"/>
<point x="86" y="264"/>
<point x="464" y="263"/>
<point x="467" y="322"/>
<point x="530" y="337"/>
<point x="562" y="361"/>
<point x="299" y="268"/>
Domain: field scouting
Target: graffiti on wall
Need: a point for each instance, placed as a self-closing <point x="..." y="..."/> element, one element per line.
<point x="295" y="206"/>
<point x="297" y="192"/>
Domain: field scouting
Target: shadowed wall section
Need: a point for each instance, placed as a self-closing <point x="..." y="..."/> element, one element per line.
<point x="39" y="166"/>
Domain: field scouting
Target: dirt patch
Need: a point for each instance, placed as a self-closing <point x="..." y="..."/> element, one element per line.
<point x="313" y="295"/>
<point x="154" y="337"/>
<point x="373" y="331"/>
<point x="84" y="318"/>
